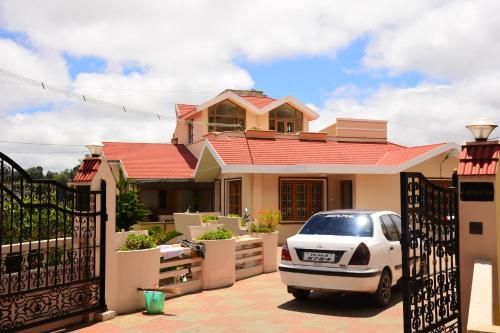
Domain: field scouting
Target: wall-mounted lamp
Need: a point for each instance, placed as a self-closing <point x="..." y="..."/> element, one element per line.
<point x="481" y="128"/>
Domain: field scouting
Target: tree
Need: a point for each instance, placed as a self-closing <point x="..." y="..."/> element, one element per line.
<point x="35" y="172"/>
<point x="129" y="209"/>
<point x="62" y="177"/>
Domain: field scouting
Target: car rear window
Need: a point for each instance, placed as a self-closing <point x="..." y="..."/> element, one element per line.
<point x="359" y="225"/>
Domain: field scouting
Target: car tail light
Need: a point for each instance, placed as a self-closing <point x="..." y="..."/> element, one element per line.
<point x="285" y="253"/>
<point x="361" y="256"/>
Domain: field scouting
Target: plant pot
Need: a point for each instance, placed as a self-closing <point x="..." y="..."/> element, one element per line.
<point x="269" y="250"/>
<point x="136" y="269"/>
<point x="218" y="266"/>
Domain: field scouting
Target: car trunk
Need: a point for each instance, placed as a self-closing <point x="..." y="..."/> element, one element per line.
<point x="323" y="250"/>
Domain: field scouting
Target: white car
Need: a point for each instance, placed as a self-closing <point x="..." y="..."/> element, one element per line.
<point x="344" y="250"/>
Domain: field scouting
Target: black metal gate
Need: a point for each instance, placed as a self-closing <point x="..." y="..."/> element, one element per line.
<point x="52" y="254"/>
<point x="430" y="250"/>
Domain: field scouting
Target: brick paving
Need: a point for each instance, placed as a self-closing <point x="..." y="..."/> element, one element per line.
<point x="259" y="304"/>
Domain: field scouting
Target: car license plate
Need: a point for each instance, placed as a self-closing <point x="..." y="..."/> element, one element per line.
<point x="319" y="257"/>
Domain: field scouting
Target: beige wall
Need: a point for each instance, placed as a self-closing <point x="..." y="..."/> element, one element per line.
<point x="105" y="173"/>
<point x="483" y="246"/>
<point x="253" y="120"/>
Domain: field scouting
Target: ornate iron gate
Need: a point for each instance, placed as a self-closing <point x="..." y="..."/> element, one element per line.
<point x="430" y="249"/>
<point x="52" y="254"/>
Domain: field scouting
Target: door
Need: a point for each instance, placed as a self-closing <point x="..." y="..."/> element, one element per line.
<point x="394" y="246"/>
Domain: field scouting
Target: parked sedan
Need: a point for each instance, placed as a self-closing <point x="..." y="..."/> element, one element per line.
<point x="344" y="250"/>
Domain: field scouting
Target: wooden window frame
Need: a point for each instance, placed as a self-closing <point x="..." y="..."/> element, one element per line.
<point x="227" y="208"/>
<point x="212" y="115"/>
<point x="273" y="120"/>
<point x="190" y="131"/>
<point x="308" y="180"/>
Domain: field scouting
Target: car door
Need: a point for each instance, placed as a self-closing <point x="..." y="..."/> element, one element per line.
<point x="392" y="235"/>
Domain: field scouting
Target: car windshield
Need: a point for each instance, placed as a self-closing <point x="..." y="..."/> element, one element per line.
<point x="339" y="224"/>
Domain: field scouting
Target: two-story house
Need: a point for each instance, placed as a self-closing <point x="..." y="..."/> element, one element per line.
<point x="243" y="149"/>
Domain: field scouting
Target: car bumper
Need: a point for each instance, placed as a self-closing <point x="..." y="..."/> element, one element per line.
<point x="307" y="277"/>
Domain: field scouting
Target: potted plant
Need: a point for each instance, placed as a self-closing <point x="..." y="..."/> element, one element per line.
<point x="218" y="266"/>
<point x="138" y="267"/>
<point x="266" y="227"/>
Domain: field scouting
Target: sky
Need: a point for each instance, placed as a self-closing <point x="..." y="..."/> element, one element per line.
<point x="429" y="67"/>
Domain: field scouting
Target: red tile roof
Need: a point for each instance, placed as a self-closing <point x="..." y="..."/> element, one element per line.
<point x="259" y="101"/>
<point x="87" y="170"/>
<point x="184" y="109"/>
<point x="152" y="160"/>
<point x="479" y="159"/>
<point x="279" y="151"/>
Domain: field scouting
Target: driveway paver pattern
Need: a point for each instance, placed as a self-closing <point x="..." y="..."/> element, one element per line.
<point x="259" y="304"/>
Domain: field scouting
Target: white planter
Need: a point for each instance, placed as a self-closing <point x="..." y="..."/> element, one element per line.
<point x="269" y="250"/>
<point x="197" y="231"/>
<point x="218" y="266"/>
<point x="136" y="269"/>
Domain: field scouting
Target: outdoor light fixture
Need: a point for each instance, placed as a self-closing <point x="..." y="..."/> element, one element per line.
<point x="95" y="149"/>
<point x="481" y="128"/>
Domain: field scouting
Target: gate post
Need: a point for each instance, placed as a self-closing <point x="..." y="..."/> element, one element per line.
<point x="479" y="207"/>
<point x="102" y="252"/>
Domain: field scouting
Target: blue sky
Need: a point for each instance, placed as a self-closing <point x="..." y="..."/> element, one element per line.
<point x="313" y="79"/>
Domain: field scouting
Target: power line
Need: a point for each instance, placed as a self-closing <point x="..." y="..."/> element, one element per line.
<point x="41" y="144"/>
<point x="127" y="89"/>
<point x="79" y="97"/>
<point x="45" y="152"/>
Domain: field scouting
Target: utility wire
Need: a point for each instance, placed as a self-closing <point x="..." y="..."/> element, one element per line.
<point x="79" y="97"/>
<point x="40" y="144"/>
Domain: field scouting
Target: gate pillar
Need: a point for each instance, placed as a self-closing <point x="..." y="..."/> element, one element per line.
<point x="479" y="207"/>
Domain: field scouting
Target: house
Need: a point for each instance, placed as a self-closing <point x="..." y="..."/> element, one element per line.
<point x="244" y="149"/>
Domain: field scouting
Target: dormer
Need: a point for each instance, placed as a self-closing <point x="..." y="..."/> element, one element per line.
<point x="240" y="110"/>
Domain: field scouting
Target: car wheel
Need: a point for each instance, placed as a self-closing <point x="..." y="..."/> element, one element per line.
<point x="383" y="294"/>
<point x="301" y="294"/>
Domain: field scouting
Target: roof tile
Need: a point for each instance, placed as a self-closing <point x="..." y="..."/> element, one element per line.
<point x="152" y="160"/>
<point x="479" y="159"/>
<point x="87" y="170"/>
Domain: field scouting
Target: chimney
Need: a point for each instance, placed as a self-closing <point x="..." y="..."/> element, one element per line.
<point x="347" y="129"/>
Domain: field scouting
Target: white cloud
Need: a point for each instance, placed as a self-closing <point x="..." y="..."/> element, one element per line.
<point x="427" y="113"/>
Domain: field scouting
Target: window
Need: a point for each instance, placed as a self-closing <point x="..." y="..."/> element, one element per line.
<point x="233" y="196"/>
<point x="390" y="232"/>
<point x="359" y="225"/>
<point x="300" y="198"/>
<point x="397" y="223"/>
<point x="286" y="119"/>
<point x="162" y="199"/>
<point x="226" y="116"/>
<point x="346" y="194"/>
<point x="190" y="131"/>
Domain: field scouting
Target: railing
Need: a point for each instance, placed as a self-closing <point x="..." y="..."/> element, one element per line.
<point x="182" y="273"/>
<point x="248" y="257"/>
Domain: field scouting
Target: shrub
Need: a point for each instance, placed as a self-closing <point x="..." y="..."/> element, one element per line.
<point x="138" y="242"/>
<point x="221" y="233"/>
<point x="208" y="218"/>
<point x="129" y="209"/>
<point x="267" y="221"/>
<point x="159" y="236"/>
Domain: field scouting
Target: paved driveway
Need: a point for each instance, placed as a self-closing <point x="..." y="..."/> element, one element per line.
<point x="260" y="304"/>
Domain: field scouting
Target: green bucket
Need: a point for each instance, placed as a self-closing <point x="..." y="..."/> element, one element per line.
<point x="155" y="301"/>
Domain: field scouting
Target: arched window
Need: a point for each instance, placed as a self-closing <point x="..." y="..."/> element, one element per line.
<point x="226" y="116"/>
<point x="286" y="119"/>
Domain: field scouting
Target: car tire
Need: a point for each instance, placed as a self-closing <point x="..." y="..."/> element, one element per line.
<point x="382" y="296"/>
<point x="301" y="294"/>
